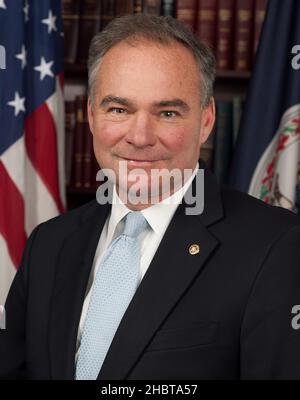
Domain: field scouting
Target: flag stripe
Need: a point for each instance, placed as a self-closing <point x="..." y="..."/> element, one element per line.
<point x="15" y="169"/>
<point x="36" y="193"/>
<point x="7" y="273"/>
<point x="55" y="104"/>
<point x="29" y="185"/>
<point x="41" y="146"/>
<point x="11" y="214"/>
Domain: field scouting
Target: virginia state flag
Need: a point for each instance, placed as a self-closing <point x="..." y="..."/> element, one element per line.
<point x="266" y="163"/>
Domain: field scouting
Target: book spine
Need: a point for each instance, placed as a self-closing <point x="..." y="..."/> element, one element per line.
<point x="260" y="8"/>
<point x="169" y="8"/>
<point x="152" y="7"/>
<point x="89" y="25"/>
<point x="243" y="35"/>
<point x="225" y="32"/>
<point x="206" y="154"/>
<point x="207" y="22"/>
<point x="137" y="6"/>
<point x="223" y="140"/>
<point x="71" y="12"/>
<point x="236" y="117"/>
<point x="77" y="165"/>
<point x="95" y="168"/>
<point x="70" y="123"/>
<point x="108" y="12"/>
<point x="124" y="7"/>
<point x="186" y="12"/>
<point x="88" y="154"/>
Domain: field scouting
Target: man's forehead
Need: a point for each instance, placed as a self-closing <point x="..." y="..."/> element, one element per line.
<point x="121" y="71"/>
<point x="145" y="47"/>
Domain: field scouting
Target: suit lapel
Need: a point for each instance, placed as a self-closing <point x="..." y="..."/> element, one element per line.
<point x="72" y="274"/>
<point x="169" y="275"/>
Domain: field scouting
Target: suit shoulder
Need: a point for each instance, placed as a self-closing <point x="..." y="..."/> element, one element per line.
<point x="256" y="212"/>
<point x="66" y="222"/>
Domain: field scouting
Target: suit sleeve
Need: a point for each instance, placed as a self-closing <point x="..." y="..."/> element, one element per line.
<point x="270" y="334"/>
<point x="13" y="338"/>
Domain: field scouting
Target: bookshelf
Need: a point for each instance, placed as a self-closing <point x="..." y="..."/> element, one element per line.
<point x="230" y="86"/>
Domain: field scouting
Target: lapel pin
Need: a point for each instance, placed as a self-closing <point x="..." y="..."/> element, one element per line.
<point x="194" y="249"/>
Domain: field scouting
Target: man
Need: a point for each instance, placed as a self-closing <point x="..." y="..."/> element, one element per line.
<point x="216" y="292"/>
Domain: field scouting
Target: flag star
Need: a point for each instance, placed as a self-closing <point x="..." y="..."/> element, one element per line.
<point x="44" y="68"/>
<point x="22" y="56"/>
<point x="50" y="21"/>
<point x="2" y="4"/>
<point x="17" y="103"/>
<point x="26" y="11"/>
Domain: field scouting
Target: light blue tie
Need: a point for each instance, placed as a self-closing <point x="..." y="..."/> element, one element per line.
<point x="116" y="281"/>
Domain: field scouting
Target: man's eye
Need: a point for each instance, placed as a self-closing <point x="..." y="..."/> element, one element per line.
<point x="116" y="110"/>
<point x="169" y="114"/>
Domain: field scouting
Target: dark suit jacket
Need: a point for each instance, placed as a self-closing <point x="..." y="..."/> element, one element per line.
<point x="224" y="313"/>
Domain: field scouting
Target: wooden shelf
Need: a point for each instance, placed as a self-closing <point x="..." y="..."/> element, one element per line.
<point x="233" y="74"/>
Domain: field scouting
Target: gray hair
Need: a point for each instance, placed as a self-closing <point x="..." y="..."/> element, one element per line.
<point x="159" y="29"/>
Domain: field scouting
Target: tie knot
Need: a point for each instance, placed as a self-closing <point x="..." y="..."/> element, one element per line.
<point x="135" y="223"/>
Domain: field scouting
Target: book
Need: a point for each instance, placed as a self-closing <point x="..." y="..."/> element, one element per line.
<point x="206" y="154"/>
<point x="207" y="149"/>
<point x="124" y="7"/>
<point x="260" y="7"/>
<point x="237" y="108"/>
<point x="186" y="12"/>
<point x="95" y="168"/>
<point x="137" y="6"/>
<point x="207" y="22"/>
<point x="108" y="12"/>
<point x="78" y="153"/>
<point x="90" y="19"/>
<point x="70" y="123"/>
<point x="151" y="7"/>
<point x="168" y="8"/>
<point x="225" y="34"/>
<point x="243" y="44"/>
<point x="88" y="155"/>
<point x="223" y="140"/>
<point x="71" y="12"/>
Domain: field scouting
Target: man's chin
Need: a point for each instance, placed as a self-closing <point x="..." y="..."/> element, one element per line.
<point x="134" y="193"/>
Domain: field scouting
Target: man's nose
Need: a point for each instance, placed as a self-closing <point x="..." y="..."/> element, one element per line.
<point x="141" y="132"/>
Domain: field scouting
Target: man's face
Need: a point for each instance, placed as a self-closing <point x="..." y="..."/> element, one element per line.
<point x="147" y="109"/>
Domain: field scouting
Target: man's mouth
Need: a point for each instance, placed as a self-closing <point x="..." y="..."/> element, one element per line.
<point x="137" y="161"/>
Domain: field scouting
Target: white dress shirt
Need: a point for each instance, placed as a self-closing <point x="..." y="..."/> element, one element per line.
<point x="158" y="216"/>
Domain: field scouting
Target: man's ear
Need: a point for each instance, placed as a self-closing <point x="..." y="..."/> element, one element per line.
<point x="90" y="114"/>
<point x="208" y="120"/>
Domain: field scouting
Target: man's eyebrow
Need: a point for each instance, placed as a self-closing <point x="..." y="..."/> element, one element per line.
<point x="115" y="99"/>
<point x="173" y="103"/>
<point x="163" y="103"/>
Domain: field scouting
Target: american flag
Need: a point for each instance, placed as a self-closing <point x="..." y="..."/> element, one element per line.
<point x="31" y="125"/>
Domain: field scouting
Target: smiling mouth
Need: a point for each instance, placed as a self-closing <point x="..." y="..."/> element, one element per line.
<point x="133" y="160"/>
